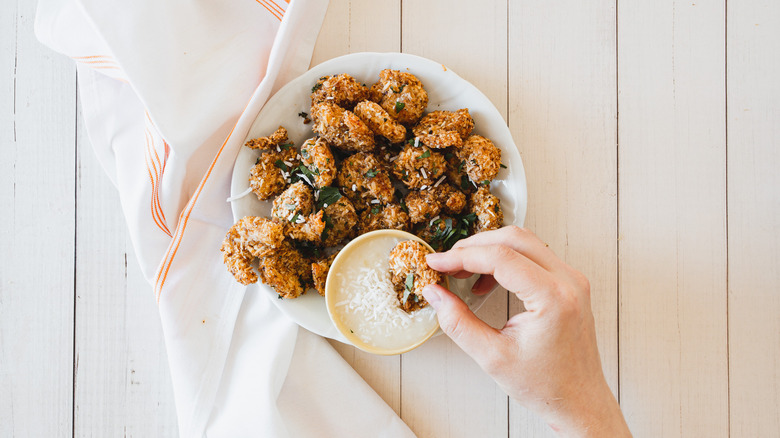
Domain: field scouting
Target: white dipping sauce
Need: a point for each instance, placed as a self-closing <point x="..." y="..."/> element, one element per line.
<point x="366" y="303"/>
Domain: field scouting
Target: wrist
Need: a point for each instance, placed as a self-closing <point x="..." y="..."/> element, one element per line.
<point x="594" y="413"/>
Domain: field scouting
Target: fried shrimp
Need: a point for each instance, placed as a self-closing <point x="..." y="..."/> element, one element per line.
<point x="341" y="128"/>
<point x="410" y="273"/>
<point x="270" y="143"/>
<point x="363" y="180"/>
<point x="482" y="159"/>
<point x="247" y="239"/>
<point x="379" y="121"/>
<point x="401" y="94"/>
<point x="418" y="167"/>
<point x="443" y="129"/>
<point x="341" y="219"/>
<point x="309" y="229"/>
<point x="487" y="207"/>
<point x="319" y="272"/>
<point x="318" y="158"/>
<point x="294" y="204"/>
<point x="426" y="204"/>
<point x="286" y="270"/>
<point x="343" y="90"/>
<point x="387" y="217"/>
<point x="266" y="179"/>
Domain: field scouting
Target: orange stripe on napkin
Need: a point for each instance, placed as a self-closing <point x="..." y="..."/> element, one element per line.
<point x="184" y="217"/>
<point x="270" y="9"/>
<point x="154" y="178"/>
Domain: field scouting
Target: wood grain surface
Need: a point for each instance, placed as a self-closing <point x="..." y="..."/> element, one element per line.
<point x="649" y="133"/>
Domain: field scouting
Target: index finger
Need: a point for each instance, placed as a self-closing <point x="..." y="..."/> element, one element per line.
<point x="512" y="270"/>
<point x="519" y="239"/>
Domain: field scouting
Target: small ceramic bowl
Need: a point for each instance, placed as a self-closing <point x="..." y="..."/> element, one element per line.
<point x="351" y="254"/>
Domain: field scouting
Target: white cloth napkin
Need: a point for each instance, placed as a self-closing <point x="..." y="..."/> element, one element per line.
<point x="168" y="91"/>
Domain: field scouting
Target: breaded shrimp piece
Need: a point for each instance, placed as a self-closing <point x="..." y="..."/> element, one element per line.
<point x="456" y="172"/>
<point x="362" y="179"/>
<point x="487" y="207"/>
<point x="343" y="90"/>
<point x="482" y="159"/>
<point x="410" y="273"/>
<point x="319" y="272"/>
<point x="387" y="217"/>
<point x="286" y="270"/>
<point x="294" y="204"/>
<point x="426" y="204"/>
<point x="341" y="219"/>
<point x="309" y="228"/>
<point x="379" y="121"/>
<point x="318" y="158"/>
<point x="401" y="94"/>
<point x="443" y="129"/>
<point x="270" y="143"/>
<point x="418" y="167"/>
<point x="247" y="239"/>
<point x="266" y="179"/>
<point x="341" y="128"/>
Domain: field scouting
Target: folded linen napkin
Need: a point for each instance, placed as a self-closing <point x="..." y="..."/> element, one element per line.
<point x="168" y="91"/>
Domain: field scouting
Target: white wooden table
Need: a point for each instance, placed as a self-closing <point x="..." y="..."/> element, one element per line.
<point x="650" y="132"/>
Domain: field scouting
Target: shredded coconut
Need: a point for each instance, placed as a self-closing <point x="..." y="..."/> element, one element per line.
<point x="240" y="195"/>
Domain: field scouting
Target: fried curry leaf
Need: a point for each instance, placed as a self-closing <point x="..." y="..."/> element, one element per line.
<point x="328" y="196"/>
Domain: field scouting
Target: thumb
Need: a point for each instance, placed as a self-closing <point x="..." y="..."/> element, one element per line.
<point x="473" y="336"/>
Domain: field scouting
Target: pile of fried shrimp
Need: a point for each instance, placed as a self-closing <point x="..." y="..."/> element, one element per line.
<point x="377" y="160"/>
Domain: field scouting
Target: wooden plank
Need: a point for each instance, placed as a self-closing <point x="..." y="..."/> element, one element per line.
<point x="562" y="100"/>
<point x="672" y="221"/>
<point x="352" y="26"/>
<point x="444" y="392"/>
<point x="754" y="217"/>
<point x="37" y="136"/>
<point x="122" y="381"/>
<point x="349" y="27"/>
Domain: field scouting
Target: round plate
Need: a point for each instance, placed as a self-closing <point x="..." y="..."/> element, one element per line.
<point x="446" y="91"/>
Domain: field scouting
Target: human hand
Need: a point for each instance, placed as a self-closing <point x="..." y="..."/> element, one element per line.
<point x="545" y="358"/>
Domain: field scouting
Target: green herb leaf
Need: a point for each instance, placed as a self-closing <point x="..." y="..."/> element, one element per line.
<point x="374" y="210"/>
<point x="399" y="106"/>
<point x="328" y="195"/>
<point x="460" y="166"/>
<point x="409" y="283"/>
<point x="399" y="89"/>
<point x="295" y="217"/>
<point x="280" y="164"/>
<point x="464" y="182"/>
<point x="316" y="87"/>
<point x="502" y="166"/>
<point x="371" y="173"/>
<point x="303" y="114"/>
<point x="485" y="182"/>
<point x="286" y="146"/>
<point x="425" y="154"/>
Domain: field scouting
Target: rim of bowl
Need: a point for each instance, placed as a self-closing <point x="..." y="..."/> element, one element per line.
<point x="331" y="305"/>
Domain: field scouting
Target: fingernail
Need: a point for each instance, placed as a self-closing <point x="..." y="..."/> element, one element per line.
<point x="431" y="295"/>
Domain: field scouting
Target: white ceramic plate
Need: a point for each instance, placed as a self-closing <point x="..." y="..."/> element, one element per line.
<point x="446" y="91"/>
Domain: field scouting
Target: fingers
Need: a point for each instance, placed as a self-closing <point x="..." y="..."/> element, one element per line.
<point x="484" y="284"/>
<point x="508" y="267"/>
<point x="473" y="336"/>
<point x="520" y="240"/>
